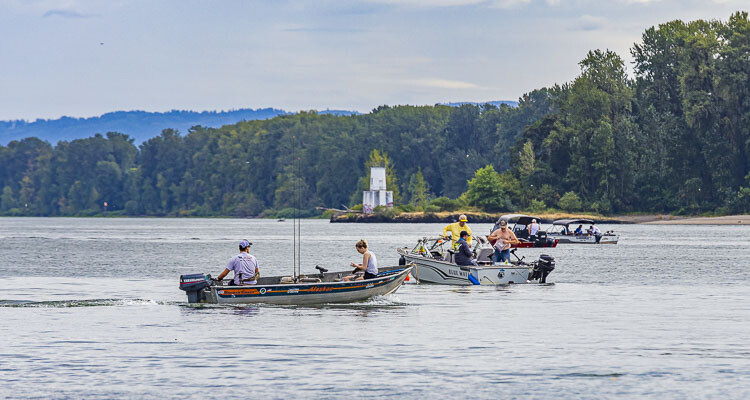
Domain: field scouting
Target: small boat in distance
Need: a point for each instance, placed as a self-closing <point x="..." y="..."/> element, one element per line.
<point x="325" y="287"/>
<point x="519" y="223"/>
<point x="561" y="231"/>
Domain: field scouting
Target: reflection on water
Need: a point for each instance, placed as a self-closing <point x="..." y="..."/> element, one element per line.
<point x="663" y="313"/>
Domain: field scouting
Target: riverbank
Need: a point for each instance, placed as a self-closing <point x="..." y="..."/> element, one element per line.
<point x="545" y="218"/>
<point x="723" y="220"/>
<point x="472" y="216"/>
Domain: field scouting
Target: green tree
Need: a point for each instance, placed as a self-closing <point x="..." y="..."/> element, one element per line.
<point x="7" y="200"/>
<point x="570" y="202"/>
<point x="527" y="159"/>
<point x="292" y="192"/>
<point x="486" y="190"/>
<point x="419" y="191"/>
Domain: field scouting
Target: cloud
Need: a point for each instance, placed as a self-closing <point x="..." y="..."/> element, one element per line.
<point x="66" y="14"/>
<point x="589" y="23"/>
<point x="508" y="3"/>
<point x="324" y="30"/>
<point x="457" y="3"/>
<point x="431" y="3"/>
<point x="442" y="83"/>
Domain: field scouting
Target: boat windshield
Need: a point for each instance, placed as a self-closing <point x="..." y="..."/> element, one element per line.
<point x="430" y="247"/>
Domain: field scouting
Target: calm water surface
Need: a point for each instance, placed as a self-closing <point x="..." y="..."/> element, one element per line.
<point x="90" y="308"/>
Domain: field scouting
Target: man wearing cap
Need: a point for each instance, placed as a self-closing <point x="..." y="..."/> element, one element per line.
<point x="503" y="238"/>
<point x="456" y="228"/>
<point x="463" y="255"/>
<point x="244" y="265"/>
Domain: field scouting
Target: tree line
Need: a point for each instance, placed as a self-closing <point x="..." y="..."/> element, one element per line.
<point x="674" y="137"/>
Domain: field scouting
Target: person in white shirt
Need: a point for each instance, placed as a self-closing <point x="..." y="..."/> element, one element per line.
<point x="533" y="229"/>
<point x="369" y="263"/>
<point x="594" y="231"/>
<point x="244" y="265"/>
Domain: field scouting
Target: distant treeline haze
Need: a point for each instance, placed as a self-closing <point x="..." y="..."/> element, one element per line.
<point x="673" y="138"/>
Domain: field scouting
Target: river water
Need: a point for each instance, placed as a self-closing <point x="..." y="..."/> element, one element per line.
<point x="91" y="308"/>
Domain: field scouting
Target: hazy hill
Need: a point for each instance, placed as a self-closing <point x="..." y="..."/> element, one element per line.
<point x="497" y="103"/>
<point x="142" y="125"/>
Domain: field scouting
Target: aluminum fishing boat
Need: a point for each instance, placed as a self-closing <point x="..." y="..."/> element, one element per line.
<point x="435" y="264"/>
<point x="324" y="287"/>
<point x="560" y="230"/>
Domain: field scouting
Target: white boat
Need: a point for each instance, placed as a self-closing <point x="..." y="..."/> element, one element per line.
<point x="325" y="287"/>
<point x="561" y="231"/>
<point x="434" y="264"/>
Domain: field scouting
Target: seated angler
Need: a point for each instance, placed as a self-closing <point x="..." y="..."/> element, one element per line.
<point x="463" y="255"/>
<point x="244" y="265"/>
<point x="369" y="265"/>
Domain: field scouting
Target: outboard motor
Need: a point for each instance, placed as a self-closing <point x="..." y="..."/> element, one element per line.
<point x="541" y="239"/>
<point x="542" y="267"/>
<point x="194" y="284"/>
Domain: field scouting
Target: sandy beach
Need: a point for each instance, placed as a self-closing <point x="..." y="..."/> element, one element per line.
<point x="672" y="220"/>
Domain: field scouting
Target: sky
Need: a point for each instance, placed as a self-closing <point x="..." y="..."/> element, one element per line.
<point x="83" y="58"/>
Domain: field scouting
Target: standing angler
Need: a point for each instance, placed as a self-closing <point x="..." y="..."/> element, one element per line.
<point x="456" y="228"/>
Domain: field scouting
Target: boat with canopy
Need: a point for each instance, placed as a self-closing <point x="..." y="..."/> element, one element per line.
<point x="519" y="223"/>
<point x="560" y="230"/>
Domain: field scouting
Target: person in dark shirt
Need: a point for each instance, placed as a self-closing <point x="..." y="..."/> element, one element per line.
<point x="579" y="230"/>
<point x="463" y="255"/>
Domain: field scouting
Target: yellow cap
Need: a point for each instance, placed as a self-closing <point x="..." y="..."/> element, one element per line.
<point x="462" y="218"/>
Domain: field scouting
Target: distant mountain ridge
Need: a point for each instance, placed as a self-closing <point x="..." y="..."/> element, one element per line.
<point x="140" y="125"/>
<point x="143" y="125"/>
<point x="496" y="103"/>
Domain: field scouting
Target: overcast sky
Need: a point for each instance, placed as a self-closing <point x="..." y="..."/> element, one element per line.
<point x="87" y="57"/>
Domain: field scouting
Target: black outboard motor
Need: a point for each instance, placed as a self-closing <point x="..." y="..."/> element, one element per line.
<point x="542" y="267"/>
<point x="194" y="284"/>
<point x="541" y="239"/>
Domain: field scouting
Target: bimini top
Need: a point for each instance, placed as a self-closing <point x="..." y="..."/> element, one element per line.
<point x="567" y="222"/>
<point x="518" y="219"/>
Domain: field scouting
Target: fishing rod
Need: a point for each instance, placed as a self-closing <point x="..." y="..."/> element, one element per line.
<point x="297" y="223"/>
<point x="294" y="220"/>
<point x="299" y="217"/>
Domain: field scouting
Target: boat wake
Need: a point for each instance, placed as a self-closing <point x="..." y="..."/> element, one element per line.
<point x="81" y="303"/>
<point x="376" y="302"/>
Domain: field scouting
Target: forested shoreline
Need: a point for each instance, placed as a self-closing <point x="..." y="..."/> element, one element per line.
<point x="673" y="138"/>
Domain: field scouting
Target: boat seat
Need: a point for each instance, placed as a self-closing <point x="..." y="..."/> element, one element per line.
<point x="485" y="255"/>
<point x="310" y="280"/>
<point x="449" y="256"/>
